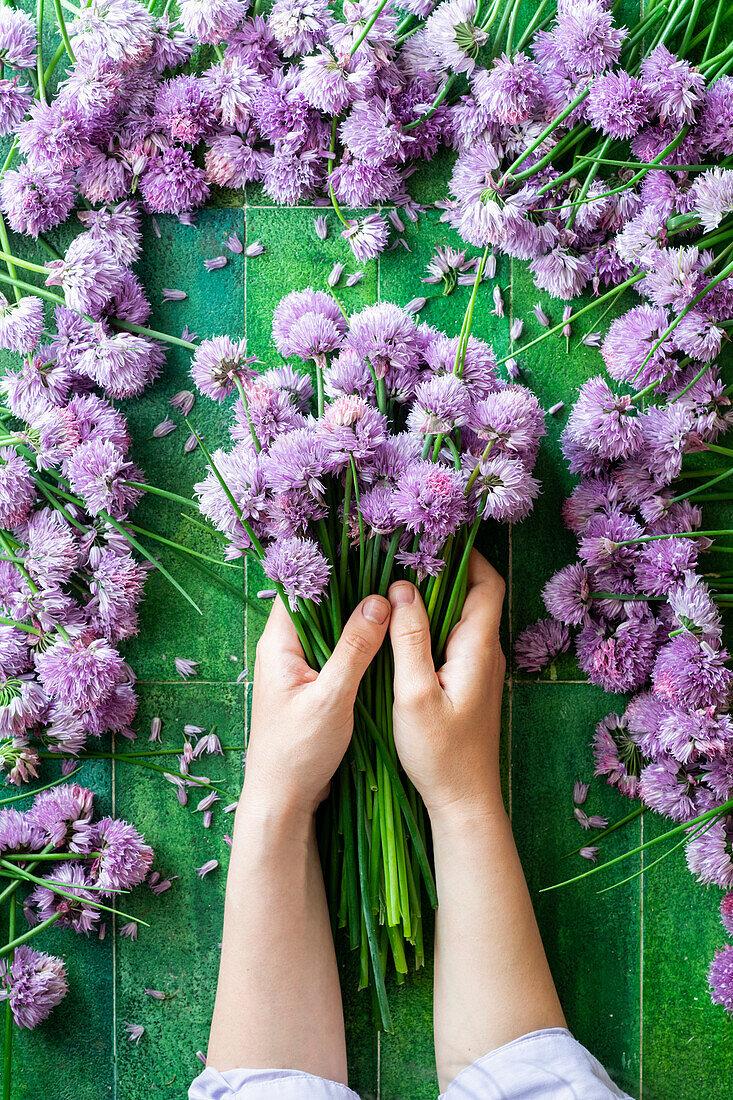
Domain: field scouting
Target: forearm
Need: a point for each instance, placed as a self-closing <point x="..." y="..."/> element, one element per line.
<point x="278" y="1001"/>
<point x="492" y="981"/>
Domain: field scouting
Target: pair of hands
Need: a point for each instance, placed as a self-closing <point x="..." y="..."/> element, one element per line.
<point x="446" y="722"/>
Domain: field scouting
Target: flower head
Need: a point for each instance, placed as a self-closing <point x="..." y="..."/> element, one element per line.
<point x="33" y="984"/>
<point x="300" y="567"/>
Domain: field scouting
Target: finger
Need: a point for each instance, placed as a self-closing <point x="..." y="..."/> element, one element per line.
<point x="409" y="631"/>
<point x="280" y="642"/>
<point x="478" y="628"/>
<point x="360" y="639"/>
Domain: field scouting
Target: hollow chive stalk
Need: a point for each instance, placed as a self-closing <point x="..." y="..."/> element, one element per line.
<point x="709" y="815"/>
<point x="8" y="1045"/>
<point x="367" y="910"/>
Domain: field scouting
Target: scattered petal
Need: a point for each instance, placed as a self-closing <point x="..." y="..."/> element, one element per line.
<point x="185" y="667"/>
<point x="321" y="226"/>
<point x="170" y="295"/>
<point x="204" y="869"/>
<point x="254" y="249"/>
<point x="155" y="727"/>
<point x="335" y="274"/>
<point x="164" y="428"/>
<point x="135" y="1032"/>
<point x="234" y="244"/>
<point x="183" y="400"/>
<point x="216" y="263"/>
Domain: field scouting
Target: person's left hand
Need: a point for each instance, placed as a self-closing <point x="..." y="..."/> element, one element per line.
<point x="302" y="720"/>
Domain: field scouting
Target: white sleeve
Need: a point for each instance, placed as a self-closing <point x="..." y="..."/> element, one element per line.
<point x="266" y="1084"/>
<point x="544" y="1065"/>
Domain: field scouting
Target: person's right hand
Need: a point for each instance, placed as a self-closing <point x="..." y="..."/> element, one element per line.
<point x="446" y="723"/>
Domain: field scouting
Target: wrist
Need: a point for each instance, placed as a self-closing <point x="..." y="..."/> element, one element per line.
<point x="464" y="814"/>
<point x="275" y="807"/>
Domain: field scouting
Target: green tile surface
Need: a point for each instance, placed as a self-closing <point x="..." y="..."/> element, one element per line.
<point x="630" y="965"/>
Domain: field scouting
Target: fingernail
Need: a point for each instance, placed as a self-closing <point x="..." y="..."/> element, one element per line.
<point x="375" y="610"/>
<point x="401" y="594"/>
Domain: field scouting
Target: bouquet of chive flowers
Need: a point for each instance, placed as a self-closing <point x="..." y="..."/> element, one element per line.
<point x="377" y="461"/>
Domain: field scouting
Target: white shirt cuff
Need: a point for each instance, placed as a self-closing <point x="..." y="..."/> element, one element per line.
<point x="266" y="1084"/>
<point x="543" y="1065"/>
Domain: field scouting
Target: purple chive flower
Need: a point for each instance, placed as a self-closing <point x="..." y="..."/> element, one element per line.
<point x="452" y="35"/>
<point x="714" y="123"/>
<point x="17" y="488"/>
<point x="441" y="403"/>
<point x="617" y="104"/>
<point x="33" y="984"/>
<point x="708" y="855"/>
<point x="81" y="672"/>
<point x="300" y="567"/>
<point x="89" y="275"/>
<point x="307" y="323"/>
<point x="124" y="859"/>
<point x="720" y="978"/>
<point x="15" y="101"/>
<point x="35" y="200"/>
<point x="616" y="754"/>
<point x="539" y="644"/>
<point x="76" y="906"/>
<point x="218" y="363"/>
<point x="561" y="272"/>
<point x="211" y="20"/>
<point x="511" y="91"/>
<point x="98" y="472"/>
<point x="367" y="238"/>
<point x="603" y="422"/>
<point x="504" y="488"/>
<point x="688" y="672"/>
<point x="567" y="595"/>
<point x="172" y="184"/>
<point x="299" y="25"/>
<point x="586" y="39"/>
<point x="17" y="39"/>
<point x="712" y="194"/>
<point x="430" y="499"/>
<point x="618" y="656"/>
<point x="674" y="86"/>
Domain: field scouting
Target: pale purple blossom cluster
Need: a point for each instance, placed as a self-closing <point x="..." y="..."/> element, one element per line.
<point x="586" y="227"/>
<point x="69" y="583"/>
<point x="308" y="105"/>
<point x="88" y="863"/>
<point x="413" y="439"/>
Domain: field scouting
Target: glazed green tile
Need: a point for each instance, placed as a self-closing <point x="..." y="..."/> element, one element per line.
<point x="295" y="258"/>
<point x="169" y="626"/>
<point x="686" y="1038"/>
<point x="593" y="942"/>
<point x="53" y="1052"/>
<point x="407" y="1057"/>
<point x="179" y="953"/>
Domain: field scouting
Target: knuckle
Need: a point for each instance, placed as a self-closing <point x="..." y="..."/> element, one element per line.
<point x="357" y="643"/>
<point x="414" y="635"/>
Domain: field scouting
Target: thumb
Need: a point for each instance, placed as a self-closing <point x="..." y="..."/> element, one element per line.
<point x="409" y="632"/>
<point x="360" y="639"/>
